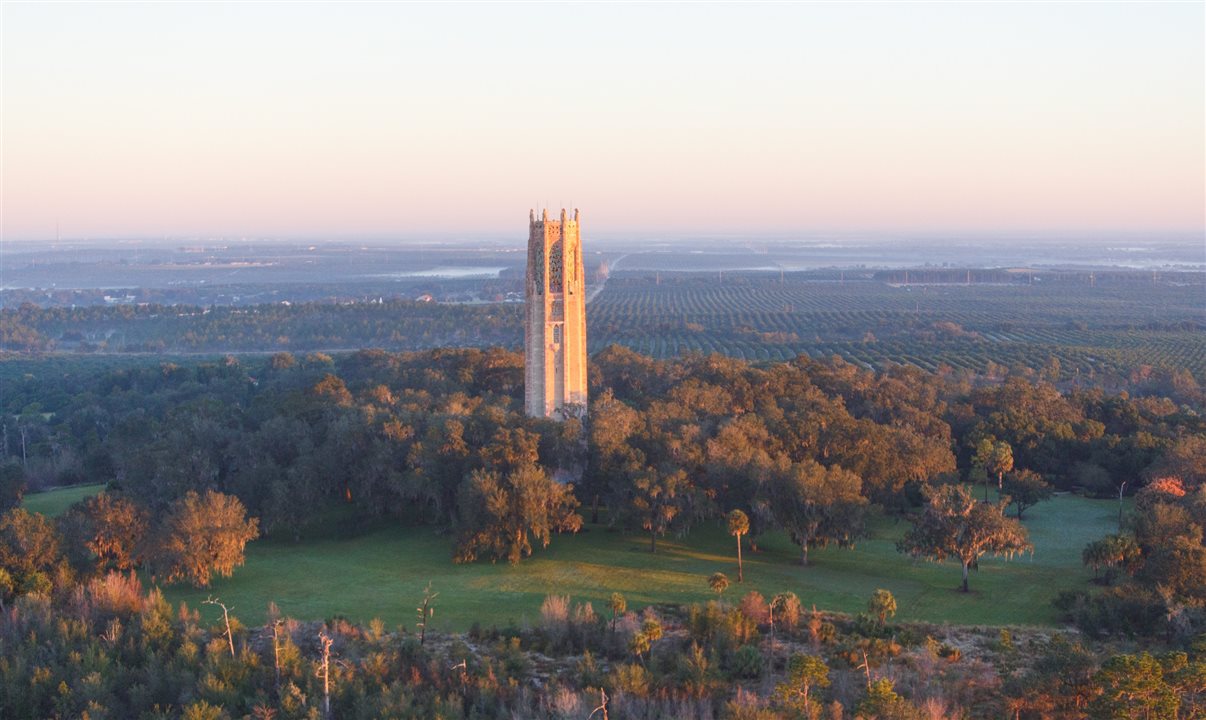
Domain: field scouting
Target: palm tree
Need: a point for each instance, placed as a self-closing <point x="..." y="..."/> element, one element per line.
<point x="719" y="582"/>
<point x="739" y="524"/>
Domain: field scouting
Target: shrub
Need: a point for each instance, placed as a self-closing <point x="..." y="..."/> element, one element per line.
<point x="747" y="662"/>
<point x="1125" y="611"/>
<point x="748" y="706"/>
<point x="113" y="595"/>
<point x="554" y="612"/>
<point x="787" y="609"/>
<point x="883" y="703"/>
<point x="754" y="607"/>
<point x="630" y="678"/>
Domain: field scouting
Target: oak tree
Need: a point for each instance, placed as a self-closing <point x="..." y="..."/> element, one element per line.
<point x="203" y="536"/>
<point x="657" y="499"/>
<point x="954" y="525"/>
<point x="109" y="529"/>
<point x="503" y="515"/>
<point x="30" y="556"/>
<point x="1026" y="489"/>
<point x="818" y="505"/>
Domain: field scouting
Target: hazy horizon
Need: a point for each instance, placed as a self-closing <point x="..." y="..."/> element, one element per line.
<point x="324" y="121"/>
<point x="517" y="236"/>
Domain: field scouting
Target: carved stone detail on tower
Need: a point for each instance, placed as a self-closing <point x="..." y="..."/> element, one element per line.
<point x="554" y="318"/>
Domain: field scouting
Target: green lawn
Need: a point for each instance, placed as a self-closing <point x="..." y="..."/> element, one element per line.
<point x="55" y="502"/>
<point x="382" y="571"/>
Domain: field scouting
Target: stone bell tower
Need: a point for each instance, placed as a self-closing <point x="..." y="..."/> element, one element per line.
<point x="555" y="318"/>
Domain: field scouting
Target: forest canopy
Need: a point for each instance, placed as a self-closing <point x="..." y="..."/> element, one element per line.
<point x="199" y="458"/>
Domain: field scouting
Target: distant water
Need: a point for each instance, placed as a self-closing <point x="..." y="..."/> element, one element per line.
<point x="447" y="272"/>
<point x="186" y="272"/>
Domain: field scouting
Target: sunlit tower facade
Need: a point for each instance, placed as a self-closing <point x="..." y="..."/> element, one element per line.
<point x="555" y="318"/>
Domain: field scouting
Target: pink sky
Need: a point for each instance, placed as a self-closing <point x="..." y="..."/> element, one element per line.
<point x="398" y="120"/>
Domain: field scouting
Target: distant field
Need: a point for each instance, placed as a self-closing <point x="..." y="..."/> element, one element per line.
<point x="1113" y="327"/>
<point x="1090" y="329"/>
<point x="382" y="573"/>
<point x="55" y="502"/>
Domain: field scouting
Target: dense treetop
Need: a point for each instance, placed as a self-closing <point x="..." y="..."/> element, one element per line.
<point x="200" y="457"/>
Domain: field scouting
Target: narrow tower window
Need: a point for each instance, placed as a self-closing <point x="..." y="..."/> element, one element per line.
<point x="555" y="253"/>
<point x="538" y="269"/>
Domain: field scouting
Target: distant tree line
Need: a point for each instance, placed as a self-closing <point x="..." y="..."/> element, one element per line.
<point x="1025" y="276"/>
<point x="220" y="328"/>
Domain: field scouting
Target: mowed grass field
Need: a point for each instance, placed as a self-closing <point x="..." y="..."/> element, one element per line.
<point x="55" y="502"/>
<point x="381" y="572"/>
